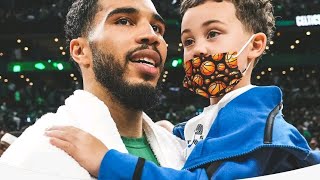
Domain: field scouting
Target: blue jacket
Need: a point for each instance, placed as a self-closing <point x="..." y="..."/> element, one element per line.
<point x="248" y="138"/>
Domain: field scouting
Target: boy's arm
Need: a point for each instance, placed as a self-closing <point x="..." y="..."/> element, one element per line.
<point x="124" y="166"/>
<point x="103" y="163"/>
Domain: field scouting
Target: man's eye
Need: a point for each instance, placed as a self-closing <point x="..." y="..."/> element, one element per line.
<point x="187" y="42"/>
<point x="156" y="28"/>
<point x="212" y="34"/>
<point x="124" y="21"/>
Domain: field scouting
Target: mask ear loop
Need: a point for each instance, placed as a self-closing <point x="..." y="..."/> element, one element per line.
<point x="241" y="50"/>
<point x="247" y="43"/>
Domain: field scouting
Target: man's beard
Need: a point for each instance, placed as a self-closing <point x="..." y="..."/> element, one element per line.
<point x="110" y="74"/>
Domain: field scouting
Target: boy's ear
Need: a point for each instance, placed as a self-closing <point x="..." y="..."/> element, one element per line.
<point x="80" y="51"/>
<point x="258" y="46"/>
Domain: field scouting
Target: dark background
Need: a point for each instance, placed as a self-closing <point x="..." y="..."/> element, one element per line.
<point x="28" y="29"/>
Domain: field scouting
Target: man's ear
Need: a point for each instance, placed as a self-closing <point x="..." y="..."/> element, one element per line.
<point x="258" y="46"/>
<point x="80" y="51"/>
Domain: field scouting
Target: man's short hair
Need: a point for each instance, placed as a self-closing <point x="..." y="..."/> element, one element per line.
<point x="79" y="20"/>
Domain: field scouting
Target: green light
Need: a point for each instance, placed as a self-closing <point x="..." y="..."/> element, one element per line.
<point x="60" y="66"/>
<point x="49" y="60"/>
<point x="285" y="23"/>
<point x="40" y="66"/>
<point x="180" y="61"/>
<point x="175" y="63"/>
<point x="16" y="68"/>
<point x="17" y="96"/>
<point x="55" y="64"/>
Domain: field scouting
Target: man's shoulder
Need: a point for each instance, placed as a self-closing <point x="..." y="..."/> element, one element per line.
<point x="33" y="151"/>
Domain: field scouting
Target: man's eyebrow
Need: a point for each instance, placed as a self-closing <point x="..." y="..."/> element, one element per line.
<point x="159" y="18"/>
<point x="123" y="10"/>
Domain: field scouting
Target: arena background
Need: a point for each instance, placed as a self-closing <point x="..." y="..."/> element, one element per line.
<point x="36" y="74"/>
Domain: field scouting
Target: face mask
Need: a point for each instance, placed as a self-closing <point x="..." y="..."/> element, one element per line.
<point x="214" y="75"/>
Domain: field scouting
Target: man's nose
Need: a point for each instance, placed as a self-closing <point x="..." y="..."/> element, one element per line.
<point x="148" y="36"/>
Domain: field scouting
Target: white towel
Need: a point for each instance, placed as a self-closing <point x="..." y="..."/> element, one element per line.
<point x="33" y="152"/>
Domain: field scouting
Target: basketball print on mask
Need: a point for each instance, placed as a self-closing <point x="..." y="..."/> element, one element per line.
<point x="212" y="77"/>
<point x="198" y="79"/>
<point x="196" y="62"/>
<point x="216" y="87"/>
<point x="187" y="83"/>
<point x="217" y="57"/>
<point x="202" y="93"/>
<point x="234" y="81"/>
<point x="231" y="60"/>
<point x="188" y="68"/>
<point x="207" y="68"/>
<point x="221" y="67"/>
<point x="229" y="88"/>
<point x="219" y="72"/>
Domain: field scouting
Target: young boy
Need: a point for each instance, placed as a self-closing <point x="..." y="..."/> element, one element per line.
<point x="242" y="133"/>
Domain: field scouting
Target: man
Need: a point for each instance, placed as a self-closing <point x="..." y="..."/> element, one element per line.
<point x="119" y="48"/>
<point x="242" y="133"/>
<point x="6" y="140"/>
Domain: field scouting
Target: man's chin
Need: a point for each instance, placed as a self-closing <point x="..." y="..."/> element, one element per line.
<point x="143" y="83"/>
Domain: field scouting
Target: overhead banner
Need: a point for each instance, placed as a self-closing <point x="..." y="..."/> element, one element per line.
<point x="308" y="20"/>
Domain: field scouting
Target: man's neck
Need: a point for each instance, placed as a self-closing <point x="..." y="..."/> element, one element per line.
<point x="128" y="121"/>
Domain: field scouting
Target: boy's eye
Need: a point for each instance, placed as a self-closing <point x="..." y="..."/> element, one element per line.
<point x="187" y="42"/>
<point x="212" y="34"/>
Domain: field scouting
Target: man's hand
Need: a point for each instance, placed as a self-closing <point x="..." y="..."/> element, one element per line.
<point x="86" y="149"/>
<point x="3" y="147"/>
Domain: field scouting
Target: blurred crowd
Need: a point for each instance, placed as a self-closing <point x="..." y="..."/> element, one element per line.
<point x="37" y="11"/>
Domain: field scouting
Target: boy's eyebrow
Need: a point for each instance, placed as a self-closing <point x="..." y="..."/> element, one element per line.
<point x="185" y="31"/>
<point x="204" y="25"/>
<point x="212" y="21"/>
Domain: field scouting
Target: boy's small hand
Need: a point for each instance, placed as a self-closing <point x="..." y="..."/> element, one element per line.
<point x="86" y="149"/>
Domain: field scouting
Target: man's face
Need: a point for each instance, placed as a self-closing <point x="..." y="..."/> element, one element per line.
<point x="213" y="27"/>
<point x="132" y="32"/>
<point x="129" y="51"/>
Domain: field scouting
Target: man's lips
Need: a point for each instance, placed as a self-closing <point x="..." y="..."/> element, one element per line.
<point x="146" y="56"/>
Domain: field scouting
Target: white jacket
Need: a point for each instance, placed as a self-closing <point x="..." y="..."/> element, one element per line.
<point x="33" y="154"/>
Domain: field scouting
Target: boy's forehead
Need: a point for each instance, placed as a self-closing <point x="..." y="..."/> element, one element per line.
<point x="210" y="10"/>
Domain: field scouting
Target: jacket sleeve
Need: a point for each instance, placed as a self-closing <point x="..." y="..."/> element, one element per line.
<point x="178" y="130"/>
<point x="116" y="165"/>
